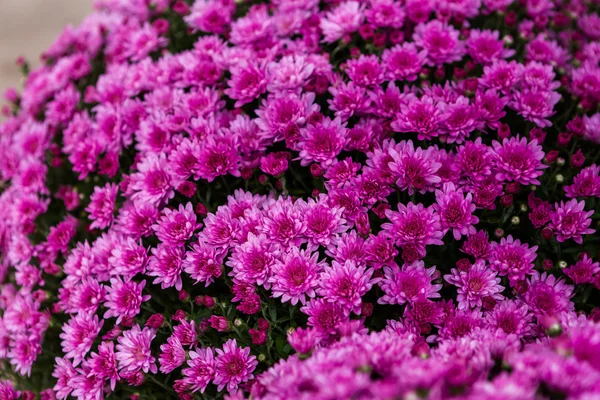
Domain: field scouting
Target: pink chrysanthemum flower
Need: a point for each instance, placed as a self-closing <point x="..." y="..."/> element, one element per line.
<point x="583" y="271"/>
<point x="473" y="161"/>
<point x="152" y="184"/>
<point x="570" y="220"/>
<point x="413" y="225"/>
<point x="517" y="160"/>
<point x="325" y="316"/>
<point x="128" y="258"/>
<point x="251" y="262"/>
<point x="201" y="369"/>
<point x="474" y="285"/>
<point x="175" y="227"/>
<point x="295" y="275"/>
<point x="535" y="105"/>
<point x="172" y="355"/>
<point x="133" y="351"/>
<point x="7" y="391"/>
<point x="166" y="264"/>
<point x="408" y="284"/>
<point x="64" y="373"/>
<point x="415" y="169"/>
<point x="218" y="156"/>
<point x="247" y="83"/>
<point x="342" y="20"/>
<point x="78" y="335"/>
<point x="486" y="46"/>
<point x="24" y="350"/>
<point x="124" y="299"/>
<point x="585" y="184"/>
<point x="102" y="206"/>
<point x="322" y="142"/>
<point x="455" y="211"/>
<point x="510" y="257"/>
<point x="385" y="14"/>
<point x="403" y="62"/>
<point x="441" y="42"/>
<point x="186" y="333"/>
<point x="203" y="263"/>
<point x="322" y="220"/>
<point x="424" y="116"/>
<point x="103" y="364"/>
<point x="364" y="71"/>
<point x="513" y="317"/>
<point x="345" y="284"/>
<point x="233" y="366"/>
<point x="289" y="74"/>
<point x="547" y="295"/>
<point x="501" y="75"/>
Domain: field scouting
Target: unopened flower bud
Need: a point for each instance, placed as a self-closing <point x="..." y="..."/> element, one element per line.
<point x="562" y="264"/>
<point x="559" y="178"/>
<point x="261" y="357"/>
<point x="515" y="220"/>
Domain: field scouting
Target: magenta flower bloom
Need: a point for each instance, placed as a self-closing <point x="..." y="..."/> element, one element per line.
<point x="251" y="262"/>
<point x="295" y="275"/>
<point x="474" y="285"/>
<point x="424" y="116"/>
<point x="473" y="161"/>
<point x="510" y="257"/>
<point x="290" y="74"/>
<point x="325" y="316"/>
<point x="415" y="169"/>
<point x="455" y="211"/>
<point x="175" y="227"/>
<point x="248" y="82"/>
<point x="186" y="333"/>
<point x="201" y="369"/>
<point x="128" y="258"/>
<point x="518" y="160"/>
<point x="303" y="340"/>
<point x="441" y="42"/>
<point x="321" y="220"/>
<point x="64" y="372"/>
<point x="133" y="351"/>
<point x="486" y="46"/>
<point x="172" y="355"/>
<point x="365" y="71"/>
<point x="322" y="142"/>
<point x="535" y="105"/>
<point x="218" y="156"/>
<point x="513" y="317"/>
<point x="345" y="284"/>
<point x="342" y="20"/>
<point x="102" y="206"/>
<point x="413" y="225"/>
<point x="501" y="75"/>
<point x="103" y="364"/>
<point x="583" y="271"/>
<point x="124" y="299"/>
<point x="7" y="391"/>
<point x="585" y="184"/>
<point x="25" y="349"/>
<point x="570" y="220"/>
<point x="166" y="264"/>
<point x="233" y="366"/>
<point x="78" y="335"/>
<point x="408" y="284"/>
<point x="548" y="296"/>
<point x="403" y="62"/>
<point x="152" y="184"/>
<point x="203" y="263"/>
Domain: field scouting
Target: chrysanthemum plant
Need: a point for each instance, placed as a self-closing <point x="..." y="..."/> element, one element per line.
<point x="305" y="200"/>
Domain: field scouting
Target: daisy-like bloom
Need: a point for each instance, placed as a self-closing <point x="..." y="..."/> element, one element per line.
<point x="233" y="366"/>
<point x="325" y="316"/>
<point x="201" y="369"/>
<point x="348" y="100"/>
<point x="477" y="245"/>
<point x="289" y="74"/>
<point x="501" y="75"/>
<point x="322" y="221"/>
<point x="408" y="284"/>
<point x="585" y="184"/>
<point x="415" y="169"/>
<point x="172" y="355"/>
<point x="133" y="351"/>
<point x="413" y="225"/>
<point x="548" y="296"/>
<point x="23" y="352"/>
<point x="203" y="263"/>
<point x="303" y="340"/>
<point x="124" y="299"/>
<point x="385" y="14"/>
<point x="295" y="275"/>
<point x="486" y="46"/>
<point x="345" y="284"/>
<point x="570" y="220"/>
<point x="251" y="262"/>
<point x="103" y="364"/>
<point x="583" y="271"/>
<point x="186" y="333"/>
<point x="535" y="105"/>
<point x="403" y="62"/>
<point x="218" y="156"/>
<point x="136" y="220"/>
<point x="424" y="116"/>
<point x="513" y="317"/>
<point x="322" y="142"/>
<point x="455" y="211"/>
<point x="102" y="206"/>
<point x="248" y="81"/>
<point x="78" y="335"/>
<point x="64" y="372"/>
<point x="510" y="257"/>
<point x="473" y="161"/>
<point x="152" y="184"/>
<point x="166" y="264"/>
<point x="517" y="160"/>
<point x="364" y="71"/>
<point x="441" y="42"/>
<point x="7" y="391"/>
<point x="459" y="120"/>
<point x="128" y="258"/>
<point x="342" y="20"/>
<point x="474" y="285"/>
<point x="175" y="227"/>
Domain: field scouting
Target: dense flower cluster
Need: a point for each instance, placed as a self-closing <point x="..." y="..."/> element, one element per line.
<point x="298" y="199"/>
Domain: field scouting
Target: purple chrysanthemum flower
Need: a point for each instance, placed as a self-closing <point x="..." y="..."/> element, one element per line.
<point x="408" y="284"/>
<point x="201" y="369"/>
<point x="166" y="264"/>
<point x="124" y="299"/>
<point x="133" y="351"/>
<point x="295" y="275"/>
<point x="415" y="169"/>
<point x="474" y="285"/>
<point x="203" y="263"/>
<point x="441" y="42"/>
<point x="322" y="142"/>
<point x="548" y="296"/>
<point x="342" y="20"/>
<point x="78" y="335"/>
<point x="585" y="184"/>
<point x="513" y="317"/>
<point x="128" y="258"/>
<point x="510" y="257"/>
<point x="424" y="116"/>
<point x="583" y="271"/>
<point x="345" y="284"/>
<point x="102" y="206"/>
<point x="455" y="211"/>
<point x="247" y="83"/>
<point x="535" y="105"/>
<point x="518" y="160"/>
<point x="175" y="227"/>
<point x="570" y="220"/>
<point x="233" y="366"/>
<point x="485" y="46"/>
<point x="325" y="316"/>
<point x="104" y="363"/>
<point x="172" y="355"/>
<point x="251" y="262"/>
<point x="152" y="184"/>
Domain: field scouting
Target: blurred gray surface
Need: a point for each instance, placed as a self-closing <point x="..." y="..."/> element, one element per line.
<point x="28" y="27"/>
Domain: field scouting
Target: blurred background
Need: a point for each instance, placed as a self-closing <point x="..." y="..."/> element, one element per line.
<point x="28" y="27"/>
